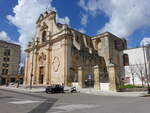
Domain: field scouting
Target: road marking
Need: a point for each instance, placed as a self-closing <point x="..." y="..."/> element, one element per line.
<point x="18" y="99"/>
<point x="24" y="102"/>
<point x="69" y="108"/>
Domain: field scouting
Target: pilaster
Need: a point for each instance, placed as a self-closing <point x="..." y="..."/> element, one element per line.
<point x="113" y="82"/>
<point x="26" y="70"/>
<point x="96" y="78"/>
<point x="80" y="77"/>
<point x="48" y="72"/>
<point x="35" y="68"/>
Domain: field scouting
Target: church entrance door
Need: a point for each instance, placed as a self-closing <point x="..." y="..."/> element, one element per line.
<point x="41" y="75"/>
<point x="89" y="80"/>
<point x="41" y="78"/>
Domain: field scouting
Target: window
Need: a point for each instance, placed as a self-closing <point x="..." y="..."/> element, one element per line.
<point x="7" y="52"/>
<point x="4" y="71"/>
<point x="5" y="59"/>
<point x="5" y="65"/>
<point x="77" y="39"/>
<point x="125" y="60"/>
<point x="44" y="36"/>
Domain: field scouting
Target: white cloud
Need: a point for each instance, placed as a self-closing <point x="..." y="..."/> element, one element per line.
<point x="81" y="30"/>
<point x="4" y="36"/>
<point x="26" y="13"/>
<point x="124" y="16"/>
<point x="64" y="20"/>
<point x="145" y="41"/>
<point x="84" y="19"/>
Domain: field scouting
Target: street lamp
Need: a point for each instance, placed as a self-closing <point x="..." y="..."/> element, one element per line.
<point x="148" y="88"/>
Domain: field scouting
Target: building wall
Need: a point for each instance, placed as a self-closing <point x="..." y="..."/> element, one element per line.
<point x="136" y="68"/>
<point x="13" y="60"/>
<point x="64" y="55"/>
<point x="109" y="47"/>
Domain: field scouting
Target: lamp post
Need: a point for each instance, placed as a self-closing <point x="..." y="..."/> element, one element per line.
<point x="148" y="88"/>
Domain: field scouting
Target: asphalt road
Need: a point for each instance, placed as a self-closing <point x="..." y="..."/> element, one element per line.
<point x="12" y="102"/>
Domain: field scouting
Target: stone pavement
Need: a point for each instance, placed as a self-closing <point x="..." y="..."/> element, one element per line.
<point x="81" y="90"/>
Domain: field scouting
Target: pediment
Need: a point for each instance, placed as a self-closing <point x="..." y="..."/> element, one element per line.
<point x="47" y="22"/>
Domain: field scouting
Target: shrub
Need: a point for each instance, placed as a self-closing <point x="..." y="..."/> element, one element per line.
<point x="127" y="86"/>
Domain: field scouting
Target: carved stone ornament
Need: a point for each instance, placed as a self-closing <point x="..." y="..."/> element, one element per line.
<point x="42" y="59"/>
<point x="44" y="26"/>
<point x="56" y="63"/>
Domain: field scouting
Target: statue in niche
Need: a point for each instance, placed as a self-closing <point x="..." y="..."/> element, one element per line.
<point x="42" y="59"/>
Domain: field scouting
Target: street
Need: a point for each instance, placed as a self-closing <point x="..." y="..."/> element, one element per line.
<point x="14" y="102"/>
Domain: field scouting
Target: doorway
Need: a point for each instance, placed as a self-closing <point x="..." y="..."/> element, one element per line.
<point x="41" y="75"/>
<point x="89" y="81"/>
<point x="41" y="79"/>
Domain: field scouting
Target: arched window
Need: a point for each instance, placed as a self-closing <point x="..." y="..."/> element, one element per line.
<point x="78" y="39"/>
<point x="44" y="36"/>
<point x="125" y="60"/>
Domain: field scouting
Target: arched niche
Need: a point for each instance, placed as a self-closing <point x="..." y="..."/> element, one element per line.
<point x="44" y="36"/>
<point x="98" y="43"/>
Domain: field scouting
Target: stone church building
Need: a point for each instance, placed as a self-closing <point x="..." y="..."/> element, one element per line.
<point x="61" y="55"/>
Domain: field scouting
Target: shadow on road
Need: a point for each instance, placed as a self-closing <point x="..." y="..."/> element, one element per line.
<point x="44" y="107"/>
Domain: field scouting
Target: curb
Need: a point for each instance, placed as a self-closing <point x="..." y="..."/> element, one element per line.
<point x="121" y="94"/>
<point x="22" y="90"/>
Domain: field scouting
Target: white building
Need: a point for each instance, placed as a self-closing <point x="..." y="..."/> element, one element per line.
<point x="135" y="60"/>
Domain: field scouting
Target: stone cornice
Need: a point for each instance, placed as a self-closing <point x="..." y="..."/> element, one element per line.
<point x="48" y="42"/>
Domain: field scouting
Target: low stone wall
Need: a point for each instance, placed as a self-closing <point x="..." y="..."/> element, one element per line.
<point x="132" y="89"/>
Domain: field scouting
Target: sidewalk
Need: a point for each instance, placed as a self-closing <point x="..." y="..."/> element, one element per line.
<point x="111" y="93"/>
<point x="22" y="89"/>
<point x="81" y="90"/>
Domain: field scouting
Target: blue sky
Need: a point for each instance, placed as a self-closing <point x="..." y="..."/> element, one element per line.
<point x="128" y="19"/>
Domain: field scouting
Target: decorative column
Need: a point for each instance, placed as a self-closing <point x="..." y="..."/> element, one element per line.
<point x="66" y="44"/>
<point x="47" y="67"/>
<point x="113" y="80"/>
<point x="80" y="77"/>
<point x="35" y="68"/>
<point x="26" y="75"/>
<point x="37" y="71"/>
<point x="96" y="78"/>
<point x="50" y="65"/>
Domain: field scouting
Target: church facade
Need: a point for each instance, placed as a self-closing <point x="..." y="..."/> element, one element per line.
<point x="62" y="55"/>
